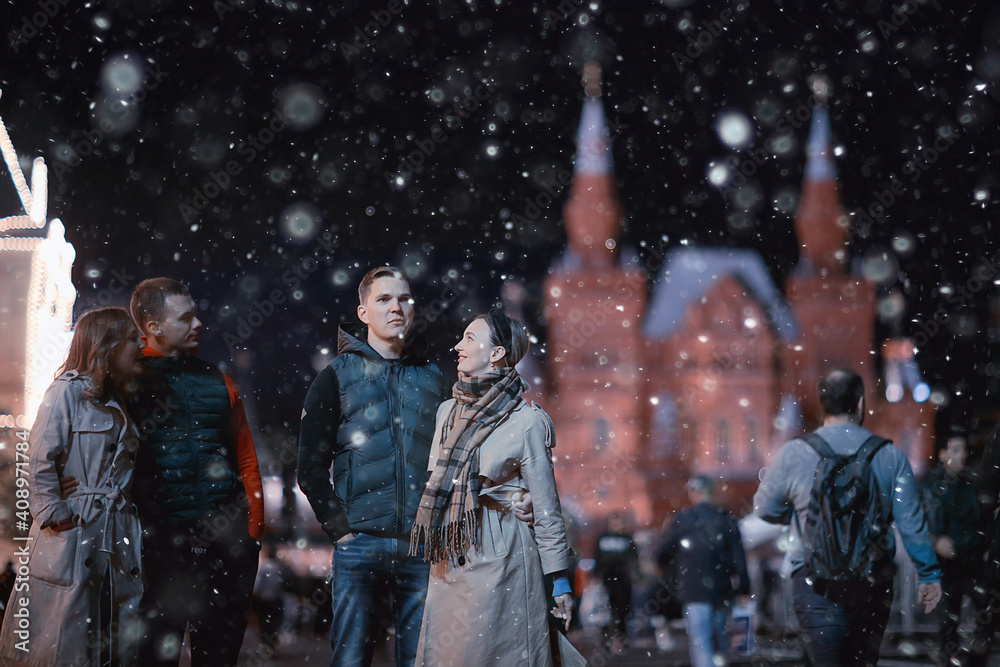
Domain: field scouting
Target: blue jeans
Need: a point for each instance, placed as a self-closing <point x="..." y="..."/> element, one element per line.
<point x="706" y="630"/>
<point x="370" y="575"/>
<point x="843" y="626"/>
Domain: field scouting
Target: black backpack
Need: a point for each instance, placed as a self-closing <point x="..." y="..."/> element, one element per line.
<point x="845" y="526"/>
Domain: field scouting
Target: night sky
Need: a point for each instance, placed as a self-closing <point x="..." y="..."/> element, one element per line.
<point x="229" y="144"/>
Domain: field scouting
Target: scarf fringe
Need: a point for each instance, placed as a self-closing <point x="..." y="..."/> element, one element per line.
<point x="448" y="542"/>
<point x="447" y="522"/>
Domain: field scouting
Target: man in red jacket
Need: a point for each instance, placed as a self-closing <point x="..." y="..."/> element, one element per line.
<point x="197" y="486"/>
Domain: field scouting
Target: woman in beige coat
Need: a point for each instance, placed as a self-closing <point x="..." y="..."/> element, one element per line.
<point x="486" y="602"/>
<point x="89" y="540"/>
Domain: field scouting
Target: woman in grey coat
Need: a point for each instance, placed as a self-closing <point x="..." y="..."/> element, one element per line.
<point x="85" y="547"/>
<point x="486" y="602"/>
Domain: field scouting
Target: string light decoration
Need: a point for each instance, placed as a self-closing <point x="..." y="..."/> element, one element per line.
<point x="47" y="306"/>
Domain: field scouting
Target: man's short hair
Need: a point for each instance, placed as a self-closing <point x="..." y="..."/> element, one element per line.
<point x="840" y="391"/>
<point x="953" y="433"/>
<point x="149" y="300"/>
<point x="702" y="484"/>
<point x="365" y="288"/>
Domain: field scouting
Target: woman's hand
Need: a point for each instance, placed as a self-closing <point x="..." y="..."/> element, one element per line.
<point x="67" y="485"/>
<point x="564" y="608"/>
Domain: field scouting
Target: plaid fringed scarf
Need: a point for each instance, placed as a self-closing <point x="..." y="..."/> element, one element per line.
<point x="447" y="522"/>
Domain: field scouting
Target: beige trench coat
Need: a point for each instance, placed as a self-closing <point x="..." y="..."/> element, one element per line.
<point x="494" y="609"/>
<point x="95" y="443"/>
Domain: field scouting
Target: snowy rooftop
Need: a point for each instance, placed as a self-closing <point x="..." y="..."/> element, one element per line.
<point x="819" y="149"/>
<point x="593" y="144"/>
<point x="689" y="273"/>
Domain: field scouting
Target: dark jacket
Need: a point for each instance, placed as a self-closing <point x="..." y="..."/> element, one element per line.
<point x="703" y="545"/>
<point x="372" y="420"/>
<point x="615" y="558"/>
<point x="989" y="483"/>
<point x="188" y="464"/>
<point x="953" y="509"/>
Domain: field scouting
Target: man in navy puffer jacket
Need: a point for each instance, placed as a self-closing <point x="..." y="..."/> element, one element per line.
<point x="369" y="416"/>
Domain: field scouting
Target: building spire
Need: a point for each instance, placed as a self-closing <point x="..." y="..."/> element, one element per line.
<point x="820" y="222"/>
<point x="593" y="214"/>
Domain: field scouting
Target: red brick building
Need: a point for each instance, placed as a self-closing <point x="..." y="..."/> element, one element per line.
<point x="719" y="368"/>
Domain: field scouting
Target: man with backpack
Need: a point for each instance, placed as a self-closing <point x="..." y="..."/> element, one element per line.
<point x="841" y="488"/>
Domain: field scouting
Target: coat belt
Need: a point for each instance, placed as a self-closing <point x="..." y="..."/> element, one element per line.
<point x="116" y="501"/>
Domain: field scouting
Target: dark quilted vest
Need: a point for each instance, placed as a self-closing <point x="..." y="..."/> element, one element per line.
<point x="187" y="460"/>
<point x="387" y="411"/>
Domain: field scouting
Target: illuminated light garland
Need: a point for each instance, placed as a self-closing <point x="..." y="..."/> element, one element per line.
<point x="20" y="244"/>
<point x="10" y="157"/>
<point x="39" y="192"/>
<point x="16" y="222"/>
<point x="51" y="294"/>
<point x="50" y="311"/>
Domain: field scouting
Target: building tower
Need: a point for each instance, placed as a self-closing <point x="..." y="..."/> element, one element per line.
<point x="593" y="305"/>
<point x="834" y="308"/>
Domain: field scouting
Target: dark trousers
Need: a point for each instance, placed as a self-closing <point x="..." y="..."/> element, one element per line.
<point x="957" y="581"/>
<point x="987" y="620"/>
<point x="270" y="614"/>
<point x="844" y="625"/>
<point x="620" y="601"/>
<point x="200" y="578"/>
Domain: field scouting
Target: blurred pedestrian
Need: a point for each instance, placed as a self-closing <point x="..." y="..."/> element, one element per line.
<point x="954" y="522"/>
<point x="267" y="602"/>
<point x="988" y="573"/>
<point x="616" y="560"/>
<point x="704" y="548"/>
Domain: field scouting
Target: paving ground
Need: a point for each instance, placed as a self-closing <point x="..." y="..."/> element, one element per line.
<point x="308" y="651"/>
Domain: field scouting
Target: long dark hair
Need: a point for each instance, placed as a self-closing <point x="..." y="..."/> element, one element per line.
<point x="98" y="336"/>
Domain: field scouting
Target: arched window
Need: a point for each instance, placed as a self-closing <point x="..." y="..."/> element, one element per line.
<point x="689" y="440"/>
<point x="722" y="440"/>
<point x="663" y="427"/>
<point x="602" y="433"/>
<point x="752" y="447"/>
